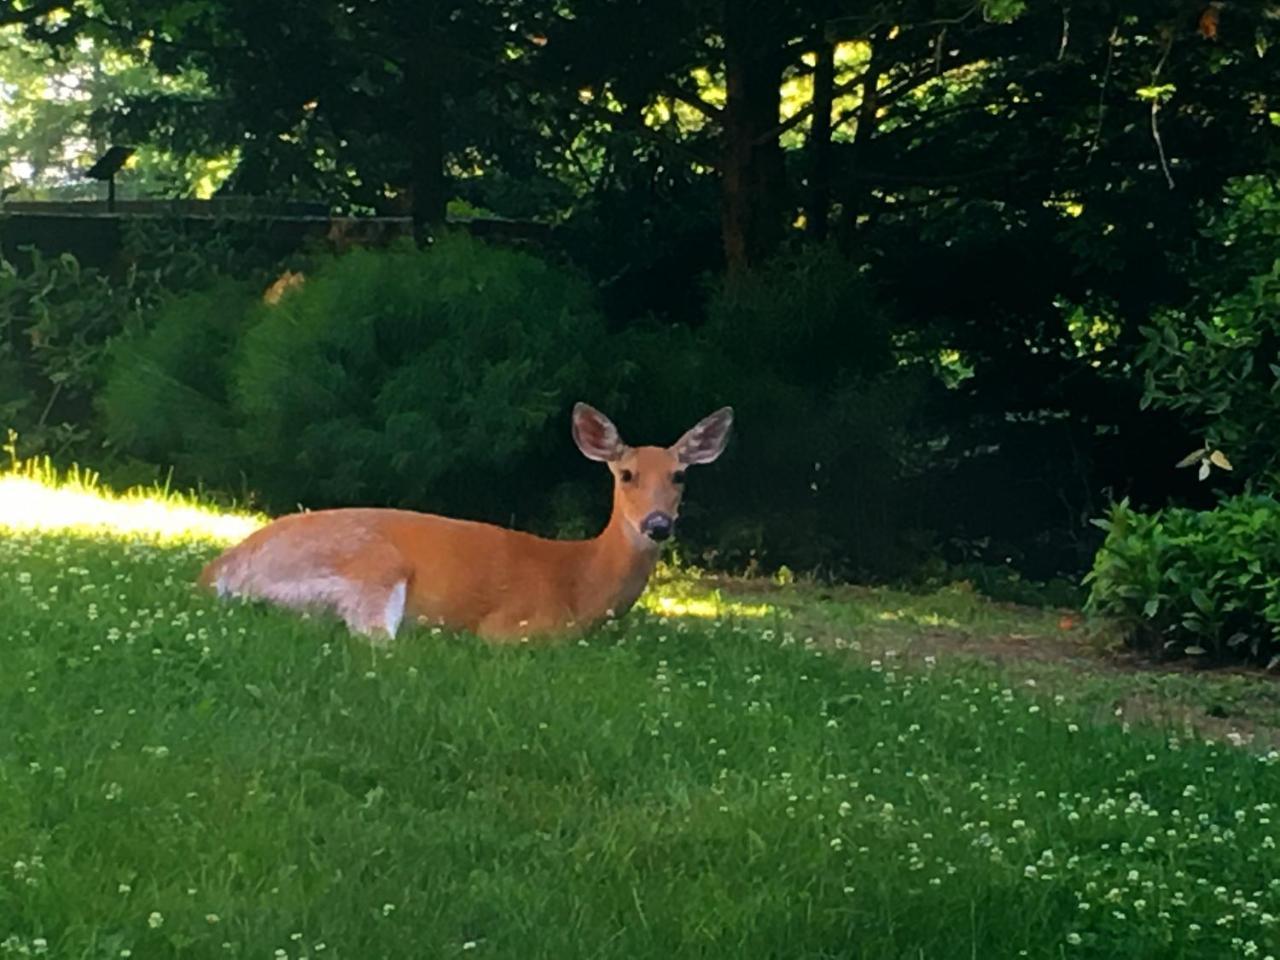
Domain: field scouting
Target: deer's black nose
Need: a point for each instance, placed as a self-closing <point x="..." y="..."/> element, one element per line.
<point x="657" y="526"/>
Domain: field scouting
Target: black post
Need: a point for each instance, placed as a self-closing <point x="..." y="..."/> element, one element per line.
<point x="106" y="168"/>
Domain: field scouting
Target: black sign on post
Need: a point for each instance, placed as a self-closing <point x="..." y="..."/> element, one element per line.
<point x="106" y="168"/>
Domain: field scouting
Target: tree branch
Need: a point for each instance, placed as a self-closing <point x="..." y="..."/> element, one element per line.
<point x="1155" y="109"/>
<point x="692" y="100"/>
<point x="833" y="33"/>
<point x="1102" y="93"/>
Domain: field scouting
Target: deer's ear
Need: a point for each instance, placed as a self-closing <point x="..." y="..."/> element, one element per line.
<point x="595" y="434"/>
<point x="706" y="440"/>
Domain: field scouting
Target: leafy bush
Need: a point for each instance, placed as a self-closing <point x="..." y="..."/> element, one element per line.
<point x="806" y="315"/>
<point x="815" y="474"/>
<point x="165" y="397"/>
<point x="55" y="320"/>
<point x="1198" y="582"/>
<point x="436" y="378"/>
<point x="58" y="317"/>
<point x="1218" y="358"/>
<point x="441" y="379"/>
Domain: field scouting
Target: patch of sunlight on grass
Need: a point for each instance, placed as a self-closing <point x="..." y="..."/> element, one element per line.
<point x="678" y="591"/>
<point x="34" y="496"/>
<point x="918" y="619"/>
<point x="708" y="607"/>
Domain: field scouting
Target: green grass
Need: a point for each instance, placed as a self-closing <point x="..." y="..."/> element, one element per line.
<point x="181" y="778"/>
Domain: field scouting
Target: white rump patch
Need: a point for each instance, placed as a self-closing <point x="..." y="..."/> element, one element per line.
<point x="365" y="609"/>
<point x="393" y="614"/>
<point x="337" y="593"/>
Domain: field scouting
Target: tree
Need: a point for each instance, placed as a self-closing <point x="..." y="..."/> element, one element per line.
<point x="48" y="135"/>
<point x="344" y="102"/>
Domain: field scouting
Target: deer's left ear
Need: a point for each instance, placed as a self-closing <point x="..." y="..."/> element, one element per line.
<point x="706" y="440"/>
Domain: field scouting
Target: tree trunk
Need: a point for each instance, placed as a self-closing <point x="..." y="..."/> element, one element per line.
<point x="752" y="166"/>
<point x="819" y="141"/>
<point x="868" y="110"/>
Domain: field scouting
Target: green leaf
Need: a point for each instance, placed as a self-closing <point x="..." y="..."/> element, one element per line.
<point x="1156" y="92"/>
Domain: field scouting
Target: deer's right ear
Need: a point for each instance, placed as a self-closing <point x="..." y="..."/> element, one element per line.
<point x="595" y="434"/>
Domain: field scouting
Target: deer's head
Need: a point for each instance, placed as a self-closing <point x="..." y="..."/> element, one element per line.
<point x="648" y="482"/>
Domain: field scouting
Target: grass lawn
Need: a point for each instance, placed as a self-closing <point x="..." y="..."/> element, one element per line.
<point x="738" y="770"/>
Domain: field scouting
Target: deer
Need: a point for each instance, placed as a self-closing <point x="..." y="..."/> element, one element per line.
<point x="377" y="567"/>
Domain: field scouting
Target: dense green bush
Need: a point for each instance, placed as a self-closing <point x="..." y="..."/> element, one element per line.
<point x="441" y="379"/>
<point x="165" y="397"/>
<point x="1204" y="581"/>
<point x="58" y="318"/>
<point x="437" y="378"/>
<point x="828" y="415"/>
<point x="1217" y="358"/>
<point x="55" y="321"/>
<point x="815" y="476"/>
<point x="1199" y="582"/>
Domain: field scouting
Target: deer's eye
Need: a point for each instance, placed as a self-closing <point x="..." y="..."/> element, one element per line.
<point x="678" y="477"/>
<point x="626" y="476"/>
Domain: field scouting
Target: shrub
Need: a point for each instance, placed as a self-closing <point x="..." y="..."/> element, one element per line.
<point x="1217" y="360"/>
<point x="806" y="316"/>
<point x="439" y="379"/>
<point x="58" y="317"/>
<point x="1198" y="582"/>
<point x="165" y="397"/>
<point x="814" y="476"/>
<point x="55" y="320"/>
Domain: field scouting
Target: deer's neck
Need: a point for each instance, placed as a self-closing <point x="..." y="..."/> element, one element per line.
<point x="619" y="563"/>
